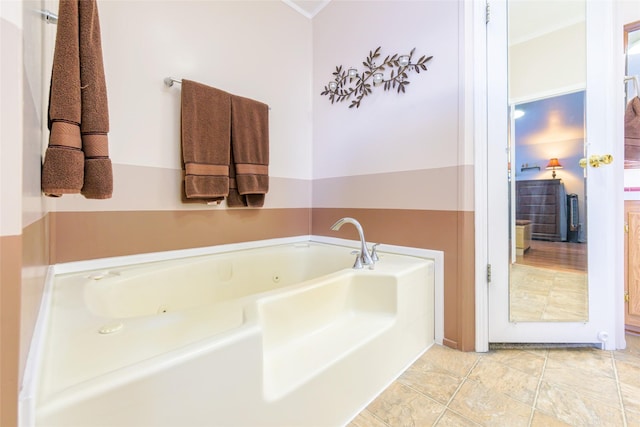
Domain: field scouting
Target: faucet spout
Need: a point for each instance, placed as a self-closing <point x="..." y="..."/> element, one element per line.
<point x="364" y="252"/>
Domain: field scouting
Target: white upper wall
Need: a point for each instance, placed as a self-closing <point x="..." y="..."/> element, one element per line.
<point x="389" y="132"/>
<point x="256" y="49"/>
<point x="628" y="12"/>
<point x="11" y="133"/>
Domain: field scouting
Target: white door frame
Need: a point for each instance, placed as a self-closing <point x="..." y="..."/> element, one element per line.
<point x="604" y="78"/>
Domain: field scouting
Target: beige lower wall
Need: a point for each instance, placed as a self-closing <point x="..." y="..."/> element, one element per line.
<point x="24" y="262"/>
<point x="449" y="231"/>
<point x="35" y="263"/>
<point x="10" y="272"/>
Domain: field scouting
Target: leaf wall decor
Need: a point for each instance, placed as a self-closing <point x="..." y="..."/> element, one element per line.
<point x="345" y="87"/>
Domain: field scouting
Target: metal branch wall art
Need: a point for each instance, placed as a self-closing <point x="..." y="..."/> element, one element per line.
<point x="352" y="85"/>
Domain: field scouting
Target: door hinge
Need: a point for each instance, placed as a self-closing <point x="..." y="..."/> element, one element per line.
<point x="626" y="227"/>
<point x="626" y="296"/>
<point x="488" y="273"/>
<point x="487" y="13"/>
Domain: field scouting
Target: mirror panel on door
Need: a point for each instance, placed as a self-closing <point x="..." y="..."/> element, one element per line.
<point x="547" y="75"/>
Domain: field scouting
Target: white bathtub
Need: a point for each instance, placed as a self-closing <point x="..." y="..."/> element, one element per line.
<point x="287" y="335"/>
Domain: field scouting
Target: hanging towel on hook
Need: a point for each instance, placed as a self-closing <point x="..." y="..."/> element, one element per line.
<point x="206" y="131"/>
<point x="250" y="146"/>
<point x="77" y="158"/>
<point x="632" y="134"/>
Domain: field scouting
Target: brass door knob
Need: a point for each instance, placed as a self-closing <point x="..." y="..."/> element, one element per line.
<point x="595" y="161"/>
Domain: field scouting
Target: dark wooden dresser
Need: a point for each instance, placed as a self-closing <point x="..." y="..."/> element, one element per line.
<point x="543" y="202"/>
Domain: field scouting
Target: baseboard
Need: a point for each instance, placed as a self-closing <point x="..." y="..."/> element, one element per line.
<point x="632" y="329"/>
<point x="450" y="343"/>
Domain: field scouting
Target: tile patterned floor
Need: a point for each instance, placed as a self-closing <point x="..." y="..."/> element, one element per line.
<point x="543" y="294"/>
<point x="537" y="388"/>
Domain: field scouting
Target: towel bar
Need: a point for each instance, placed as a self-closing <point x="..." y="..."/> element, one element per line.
<point x="169" y="81"/>
<point x="48" y="16"/>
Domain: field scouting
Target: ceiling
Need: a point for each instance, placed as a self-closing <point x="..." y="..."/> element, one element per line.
<point x="527" y="18"/>
<point x="308" y="8"/>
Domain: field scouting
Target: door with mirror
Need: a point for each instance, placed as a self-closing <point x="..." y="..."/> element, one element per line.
<point x="632" y="175"/>
<point x="541" y="252"/>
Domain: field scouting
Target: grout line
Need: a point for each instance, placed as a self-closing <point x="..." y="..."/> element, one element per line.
<point x="535" y="398"/>
<point x="615" y="372"/>
<point x="455" y="393"/>
<point x="464" y="380"/>
<point x="376" y="417"/>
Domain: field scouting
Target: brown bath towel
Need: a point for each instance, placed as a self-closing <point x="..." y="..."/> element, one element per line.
<point x="63" y="168"/>
<point x="206" y="132"/>
<point x="250" y="145"/>
<point x="98" y="174"/>
<point x="77" y="159"/>
<point x="632" y="133"/>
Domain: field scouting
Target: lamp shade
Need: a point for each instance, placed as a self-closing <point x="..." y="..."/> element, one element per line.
<point x="554" y="164"/>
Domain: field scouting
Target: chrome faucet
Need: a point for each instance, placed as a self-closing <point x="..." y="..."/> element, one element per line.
<point x="364" y="258"/>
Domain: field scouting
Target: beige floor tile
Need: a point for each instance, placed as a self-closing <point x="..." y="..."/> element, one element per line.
<point x="587" y="382"/>
<point x="633" y="418"/>
<point x="451" y="419"/>
<point x="431" y="381"/>
<point x="400" y="406"/>
<point x="629" y="357"/>
<point x="503" y="379"/>
<point x="454" y="362"/>
<point x="486" y="407"/>
<point x="529" y="362"/>
<point x="579" y="389"/>
<point x="366" y="419"/>
<point x="630" y="397"/>
<point x="628" y="373"/>
<point x="576" y="408"/>
<point x="540" y="419"/>
<point x="631" y="354"/>
<point x="589" y="359"/>
<point x="540" y="352"/>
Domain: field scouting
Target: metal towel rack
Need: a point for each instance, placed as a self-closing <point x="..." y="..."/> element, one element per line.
<point x="169" y="81"/>
<point x="48" y="16"/>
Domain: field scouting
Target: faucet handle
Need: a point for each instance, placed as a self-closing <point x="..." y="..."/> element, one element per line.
<point x="358" y="263"/>
<point x="374" y="252"/>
